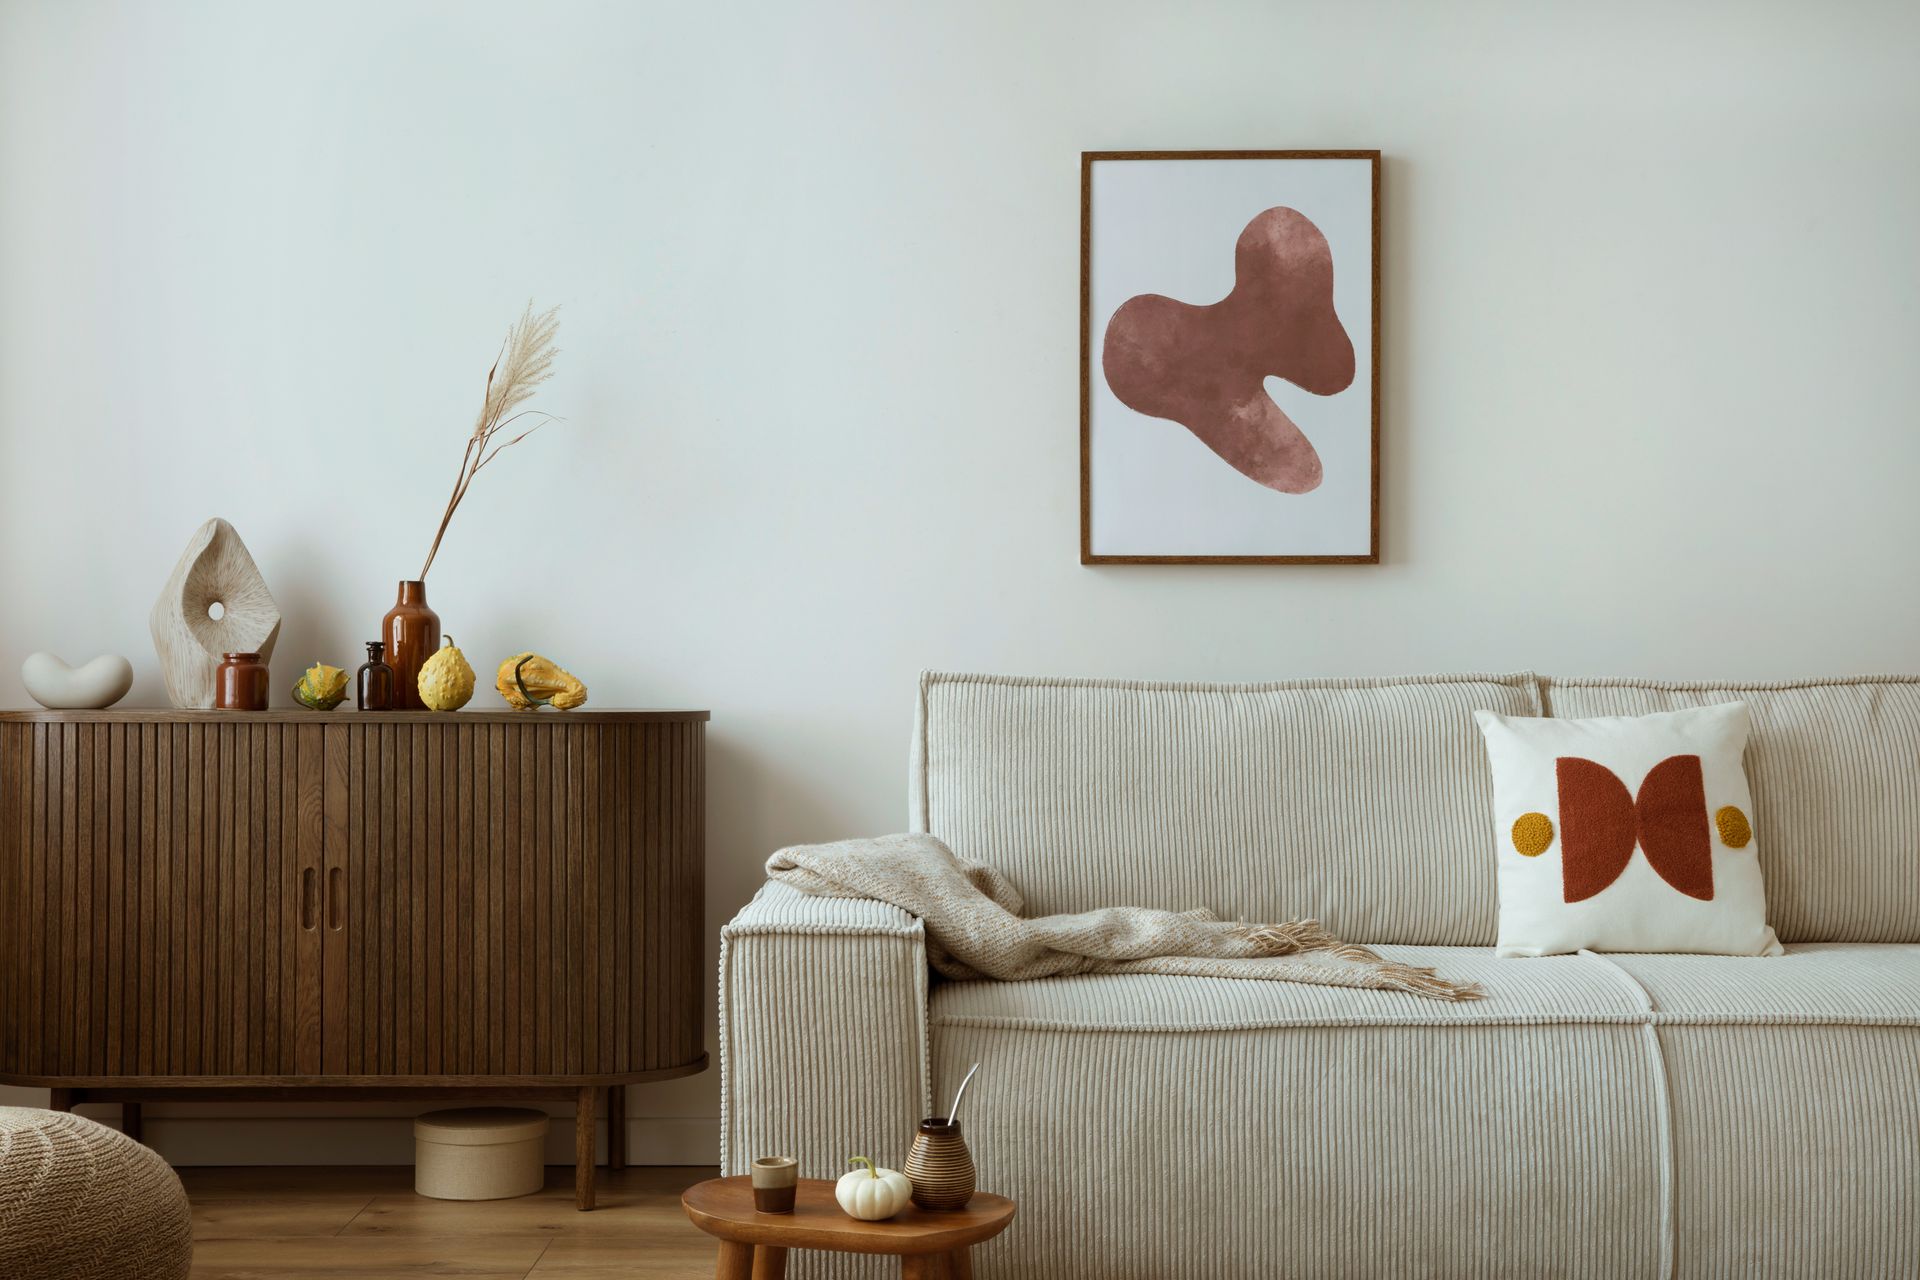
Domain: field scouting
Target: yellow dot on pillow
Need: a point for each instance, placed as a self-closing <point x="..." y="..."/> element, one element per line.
<point x="1532" y="833"/>
<point x="1735" y="830"/>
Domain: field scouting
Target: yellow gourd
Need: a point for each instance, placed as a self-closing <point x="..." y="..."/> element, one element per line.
<point x="527" y="680"/>
<point x="446" y="681"/>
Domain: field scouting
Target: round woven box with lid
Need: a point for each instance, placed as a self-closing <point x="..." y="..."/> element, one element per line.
<point x="479" y="1153"/>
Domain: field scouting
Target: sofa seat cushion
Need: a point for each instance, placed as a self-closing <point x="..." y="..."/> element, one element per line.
<point x="1832" y="983"/>
<point x="1820" y="983"/>
<point x="1593" y="1116"/>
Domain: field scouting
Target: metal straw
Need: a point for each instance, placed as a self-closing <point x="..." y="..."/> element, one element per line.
<point x="953" y="1112"/>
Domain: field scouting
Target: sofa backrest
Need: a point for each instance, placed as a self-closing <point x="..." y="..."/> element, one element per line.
<point x="1365" y="803"/>
<point x="1835" y="771"/>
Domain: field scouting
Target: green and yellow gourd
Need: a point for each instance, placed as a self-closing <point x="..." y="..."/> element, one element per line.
<point x="321" y="687"/>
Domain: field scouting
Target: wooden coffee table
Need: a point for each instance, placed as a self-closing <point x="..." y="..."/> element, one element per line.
<point x="753" y="1245"/>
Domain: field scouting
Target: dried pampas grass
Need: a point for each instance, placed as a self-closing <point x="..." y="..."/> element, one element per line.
<point x="525" y="361"/>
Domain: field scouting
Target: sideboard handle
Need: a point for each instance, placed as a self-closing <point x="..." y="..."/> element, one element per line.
<point x="336" y="898"/>
<point x="308" y="893"/>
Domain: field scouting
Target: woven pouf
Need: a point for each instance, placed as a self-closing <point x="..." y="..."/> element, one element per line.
<point x="80" y="1201"/>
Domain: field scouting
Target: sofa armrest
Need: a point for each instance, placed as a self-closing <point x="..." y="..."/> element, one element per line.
<point x="823" y="1031"/>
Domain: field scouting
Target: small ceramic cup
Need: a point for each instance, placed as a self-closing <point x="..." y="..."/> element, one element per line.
<point x="775" y="1179"/>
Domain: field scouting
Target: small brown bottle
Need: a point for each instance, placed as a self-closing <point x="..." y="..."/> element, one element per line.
<point x="375" y="692"/>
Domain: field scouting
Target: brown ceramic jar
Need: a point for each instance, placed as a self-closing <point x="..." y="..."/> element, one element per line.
<point x="241" y="683"/>
<point x="411" y="631"/>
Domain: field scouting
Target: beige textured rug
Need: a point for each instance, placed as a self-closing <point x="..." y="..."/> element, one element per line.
<point x="975" y="929"/>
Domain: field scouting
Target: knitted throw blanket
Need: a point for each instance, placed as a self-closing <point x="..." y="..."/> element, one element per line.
<point x="975" y="929"/>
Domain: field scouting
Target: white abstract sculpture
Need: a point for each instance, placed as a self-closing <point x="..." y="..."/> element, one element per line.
<point x="216" y="602"/>
<point x="93" y="686"/>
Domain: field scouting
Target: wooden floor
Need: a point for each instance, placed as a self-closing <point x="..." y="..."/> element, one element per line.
<point x="328" y="1223"/>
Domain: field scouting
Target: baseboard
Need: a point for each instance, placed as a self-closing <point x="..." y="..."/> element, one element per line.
<point x="280" y="1140"/>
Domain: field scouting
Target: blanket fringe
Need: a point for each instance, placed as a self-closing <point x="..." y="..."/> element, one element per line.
<point x="1415" y="980"/>
<point x="1297" y="936"/>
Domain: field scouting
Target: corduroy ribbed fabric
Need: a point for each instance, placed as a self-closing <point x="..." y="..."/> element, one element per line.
<point x="823" y="1032"/>
<point x="1796" y="1151"/>
<point x="1818" y="983"/>
<point x="1835" y="771"/>
<point x="1361" y="803"/>
<point x="1556" y="1128"/>
<point x="1621" y="1115"/>
<point x="1389" y="1150"/>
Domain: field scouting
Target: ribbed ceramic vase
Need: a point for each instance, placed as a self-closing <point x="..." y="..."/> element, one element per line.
<point x="939" y="1166"/>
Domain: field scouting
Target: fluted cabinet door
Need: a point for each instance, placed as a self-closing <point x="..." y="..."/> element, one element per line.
<point x="523" y="898"/>
<point x="156" y="880"/>
<point x="418" y="964"/>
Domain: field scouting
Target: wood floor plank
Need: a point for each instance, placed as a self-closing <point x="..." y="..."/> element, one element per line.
<point x="359" y="1257"/>
<point x="305" y="1182"/>
<point x="552" y="1211"/>
<point x="613" y="1258"/>
<point x="241" y="1218"/>
<point x="344" y="1223"/>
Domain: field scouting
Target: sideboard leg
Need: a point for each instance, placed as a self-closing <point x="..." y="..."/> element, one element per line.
<point x="616" y="1126"/>
<point x="583" y="1136"/>
<point x="736" y="1261"/>
<point x="132" y="1122"/>
<point x="62" y="1099"/>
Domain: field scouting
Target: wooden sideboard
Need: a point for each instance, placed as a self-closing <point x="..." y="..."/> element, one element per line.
<point x="293" y="904"/>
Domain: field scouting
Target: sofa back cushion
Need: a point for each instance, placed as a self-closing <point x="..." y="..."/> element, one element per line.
<point x="1835" y="771"/>
<point x="1364" y="803"/>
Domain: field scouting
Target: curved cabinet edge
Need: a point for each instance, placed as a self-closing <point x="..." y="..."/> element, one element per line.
<point x="348" y="719"/>
<point x="22" y="1081"/>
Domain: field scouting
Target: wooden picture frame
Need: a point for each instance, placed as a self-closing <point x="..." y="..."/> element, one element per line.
<point x="1350" y="526"/>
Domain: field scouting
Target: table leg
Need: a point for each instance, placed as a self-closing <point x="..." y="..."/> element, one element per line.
<point x="616" y="1126"/>
<point x="736" y="1261"/>
<point x="960" y="1264"/>
<point x="923" y="1266"/>
<point x="130" y="1121"/>
<point x="769" y="1262"/>
<point x="583" y="1135"/>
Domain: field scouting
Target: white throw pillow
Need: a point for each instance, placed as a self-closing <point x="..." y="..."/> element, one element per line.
<point x="1626" y="833"/>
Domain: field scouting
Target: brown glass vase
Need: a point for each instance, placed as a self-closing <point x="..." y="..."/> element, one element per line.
<point x="412" y="634"/>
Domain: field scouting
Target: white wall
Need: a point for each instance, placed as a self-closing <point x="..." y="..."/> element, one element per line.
<point x="1650" y="323"/>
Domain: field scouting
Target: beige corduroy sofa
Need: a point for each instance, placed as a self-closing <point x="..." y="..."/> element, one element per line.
<point x="1606" y="1116"/>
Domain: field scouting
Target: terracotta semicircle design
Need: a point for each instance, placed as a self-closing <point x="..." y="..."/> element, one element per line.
<point x="1203" y="366"/>
<point x="1601" y="822"/>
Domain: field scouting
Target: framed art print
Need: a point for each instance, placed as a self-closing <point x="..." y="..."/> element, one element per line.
<point x="1230" y="357"/>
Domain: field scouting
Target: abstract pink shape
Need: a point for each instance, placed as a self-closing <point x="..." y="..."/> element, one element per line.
<point x="1202" y="366"/>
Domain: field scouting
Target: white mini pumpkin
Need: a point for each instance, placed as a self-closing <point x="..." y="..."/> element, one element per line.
<point x="872" y="1193"/>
